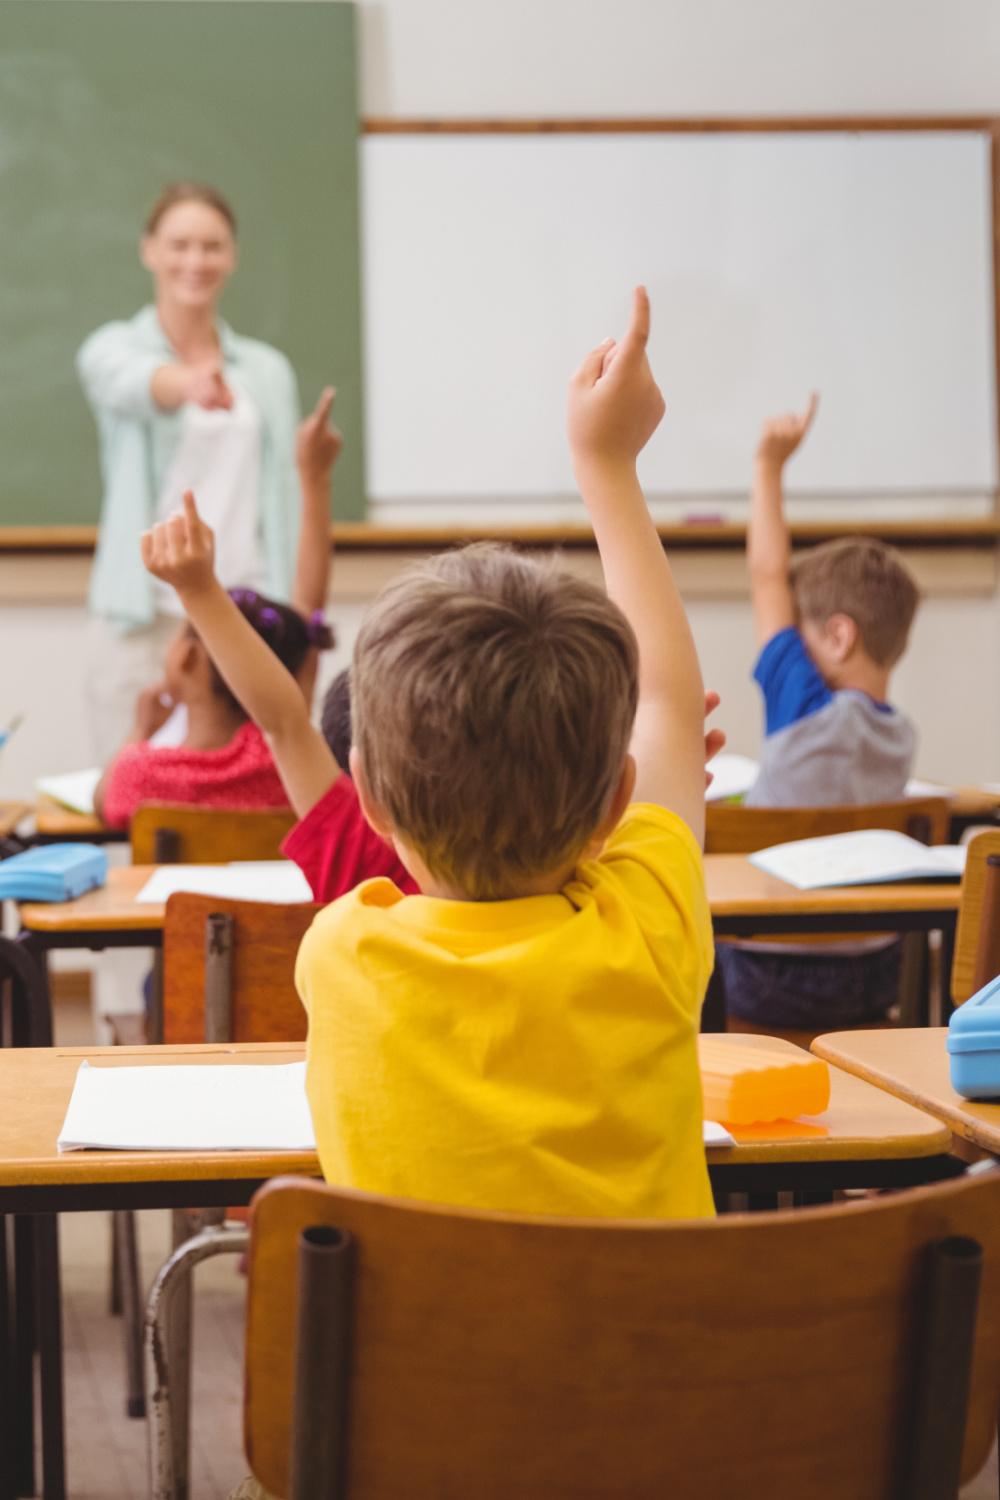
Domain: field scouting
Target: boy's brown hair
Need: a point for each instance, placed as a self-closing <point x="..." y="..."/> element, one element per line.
<point x="865" y="580"/>
<point x="493" y="700"/>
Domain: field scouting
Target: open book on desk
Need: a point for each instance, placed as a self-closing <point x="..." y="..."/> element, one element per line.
<point x="276" y="880"/>
<point x="74" y="791"/>
<point x="873" y="856"/>
<point x="180" y="1107"/>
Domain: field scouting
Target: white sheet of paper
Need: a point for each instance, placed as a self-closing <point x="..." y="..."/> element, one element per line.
<point x="183" y="1108"/>
<point x="869" y="857"/>
<point x="210" y="1108"/>
<point x="74" y="790"/>
<point x="992" y="788"/>
<point x="277" y="880"/>
<point x="916" y="788"/>
<point x="732" y="776"/>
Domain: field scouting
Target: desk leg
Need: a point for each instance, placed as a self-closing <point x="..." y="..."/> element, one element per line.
<point x="7" y="1487"/>
<point x="947" y="958"/>
<point x="24" y="1354"/>
<point x="50" y="1356"/>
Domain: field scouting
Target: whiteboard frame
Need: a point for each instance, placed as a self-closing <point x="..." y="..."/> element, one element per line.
<point x="363" y="535"/>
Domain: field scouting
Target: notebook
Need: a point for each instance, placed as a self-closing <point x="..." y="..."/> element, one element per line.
<point x="276" y="880"/>
<point x="238" y="1107"/>
<point x="870" y="857"/>
<point x="732" y="776"/>
<point x="53" y="872"/>
<point x="74" y="790"/>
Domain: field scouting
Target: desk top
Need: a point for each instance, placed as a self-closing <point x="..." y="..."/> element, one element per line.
<point x="735" y="888"/>
<point x="738" y="888"/>
<point x="913" y="1065"/>
<point x="36" y="1083"/>
<point x="54" y="820"/>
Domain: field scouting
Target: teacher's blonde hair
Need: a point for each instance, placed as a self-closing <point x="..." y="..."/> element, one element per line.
<point x="190" y="192"/>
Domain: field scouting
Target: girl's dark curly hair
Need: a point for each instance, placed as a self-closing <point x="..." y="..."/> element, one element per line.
<point x="288" y="634"/>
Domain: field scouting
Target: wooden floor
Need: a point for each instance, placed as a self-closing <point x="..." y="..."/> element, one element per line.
<point x="106" y="1451"/>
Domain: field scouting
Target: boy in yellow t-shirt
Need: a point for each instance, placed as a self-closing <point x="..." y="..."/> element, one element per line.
<point x="522" y="1035"/>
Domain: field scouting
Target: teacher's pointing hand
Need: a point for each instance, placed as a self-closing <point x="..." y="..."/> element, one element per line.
<point x="205" y="386"/>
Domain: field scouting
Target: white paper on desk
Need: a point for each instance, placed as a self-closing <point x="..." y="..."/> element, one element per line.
<point x="917" y="788"/>
<point x="74" y="790"/>
<point x="714" y="1134"/>
<point x="870" y="857"/>
<point x="188" y="1108"/>
<point x="276" y="880"/>
<point x="732" y="776"/>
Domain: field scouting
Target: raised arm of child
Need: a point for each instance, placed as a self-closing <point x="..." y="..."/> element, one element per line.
<point x="181" y="551"/>
<point x="317" y="448"/>
<point x="613" y="409"/>
<point x="769" y="547"/>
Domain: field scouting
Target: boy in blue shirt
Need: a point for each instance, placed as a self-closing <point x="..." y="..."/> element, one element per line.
<point x="830" y="626"/>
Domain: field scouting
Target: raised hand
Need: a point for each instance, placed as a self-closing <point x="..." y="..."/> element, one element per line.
<point x="715" y="739"/>
<point x="181" y="550"/>
<point x="318" y="442"/>
<point x="205" y="385"/>
<point x="780" y="436"/>
<point x="614" y="404"/>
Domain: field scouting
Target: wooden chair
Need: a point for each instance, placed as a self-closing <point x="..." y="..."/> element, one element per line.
<point x="228" y="976"/>
<point x="443" y="1352"/>
<point x="977" y="935"/>
<point x="167" y="833"/>
<point x="744" y="830"/>
<point x="241" y="955"/>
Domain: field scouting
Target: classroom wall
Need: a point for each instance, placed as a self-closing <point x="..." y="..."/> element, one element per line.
<point x="622" y="57"/>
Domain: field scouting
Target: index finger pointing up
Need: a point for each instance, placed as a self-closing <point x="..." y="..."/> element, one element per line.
<point x="634" y="342"/>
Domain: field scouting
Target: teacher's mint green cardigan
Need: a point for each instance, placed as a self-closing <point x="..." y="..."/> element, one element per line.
<point x="138" y="441"/>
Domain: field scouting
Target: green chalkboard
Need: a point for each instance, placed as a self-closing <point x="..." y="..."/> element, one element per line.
<point x="102" y="103"/>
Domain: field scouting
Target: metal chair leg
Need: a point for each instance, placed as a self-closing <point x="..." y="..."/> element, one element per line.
<point x="127" y="1256"/>
<point x="168" y="1480"/>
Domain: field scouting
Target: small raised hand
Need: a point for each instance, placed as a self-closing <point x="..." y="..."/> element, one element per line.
<point x="181" y="550"/>
<point x="780" y="436"/>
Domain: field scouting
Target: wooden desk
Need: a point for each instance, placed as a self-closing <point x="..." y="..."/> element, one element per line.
<point x="866" y="1138"/>
<point x="108" y="917"/>
<point x="55" y="823"/>
<point x="862" y="1134"/>
<point x="744" y="900"/>
<point x="913" y="1066"/>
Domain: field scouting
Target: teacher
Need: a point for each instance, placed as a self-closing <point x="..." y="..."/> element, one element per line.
<point x="182" y="402"/>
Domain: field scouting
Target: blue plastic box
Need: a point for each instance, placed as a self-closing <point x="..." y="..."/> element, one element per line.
<point x="53" y="872"/>
<point x="974" y="1044"/>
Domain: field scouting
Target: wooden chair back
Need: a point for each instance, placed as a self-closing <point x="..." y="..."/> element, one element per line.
<point x="264" y="1004"/>
<point x="176" y="833"/>
<point x="744" y="830"/>
<point x="972" y="914"/>
<point x="497" y="1356"/>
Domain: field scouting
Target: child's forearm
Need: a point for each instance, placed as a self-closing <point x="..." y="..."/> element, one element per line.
<point x="639" y="580"/>
<point x="261" y="683"/>
<point x="669" y="740"/>
<point x="312" y="568"/>
<point x="769" y="552"/>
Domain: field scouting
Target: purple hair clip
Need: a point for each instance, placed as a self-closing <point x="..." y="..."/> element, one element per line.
<point x="243" y="596"/>
<point x="270" y="616"/>
<point x="318" y="631"/>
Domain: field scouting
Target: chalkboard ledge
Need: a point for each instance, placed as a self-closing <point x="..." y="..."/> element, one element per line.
<point x="350" y="536"/>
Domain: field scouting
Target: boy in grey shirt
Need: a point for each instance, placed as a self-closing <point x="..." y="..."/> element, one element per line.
<point x="830" y="627"/>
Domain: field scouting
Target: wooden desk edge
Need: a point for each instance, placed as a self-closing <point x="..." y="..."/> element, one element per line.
<point x="950" y="1114"/>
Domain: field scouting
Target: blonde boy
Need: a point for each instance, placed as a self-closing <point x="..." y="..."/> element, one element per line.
<point x="522" y="1035"/>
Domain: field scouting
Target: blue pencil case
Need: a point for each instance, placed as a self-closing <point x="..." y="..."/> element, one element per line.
<point x="53" y="872"/>
<point x="974" y="1044"/>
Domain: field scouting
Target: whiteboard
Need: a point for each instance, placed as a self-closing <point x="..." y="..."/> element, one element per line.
<point x="859" y="265"/>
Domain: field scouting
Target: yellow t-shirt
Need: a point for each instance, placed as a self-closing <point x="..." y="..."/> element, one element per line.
<point x="535" y="1055"/>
